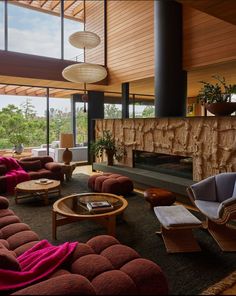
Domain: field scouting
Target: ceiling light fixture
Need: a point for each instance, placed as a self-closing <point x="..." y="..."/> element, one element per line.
<point x="84" y="72"/>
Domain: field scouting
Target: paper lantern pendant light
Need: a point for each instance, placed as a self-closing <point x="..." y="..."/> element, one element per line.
<point x="84" y="73"/>
<point x="84" y="39"/>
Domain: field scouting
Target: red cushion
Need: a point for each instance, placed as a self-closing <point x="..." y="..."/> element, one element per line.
<point x="34" y="165"/>
<point x="53" y="166"/>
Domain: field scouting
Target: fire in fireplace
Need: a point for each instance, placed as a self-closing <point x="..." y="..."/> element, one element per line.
<point x="175" y="165"/>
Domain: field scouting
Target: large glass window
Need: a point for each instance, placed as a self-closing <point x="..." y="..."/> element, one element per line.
<point x="142" y="109"/>
<point x="1" y="25"/>
<point x="112" y="111"/>
<point x="81" y="125"/>
<point x="71" y="52"/>
<point x="59" y="119"/>
<point x="39" y="33"/>
<point x="22" y="121"/>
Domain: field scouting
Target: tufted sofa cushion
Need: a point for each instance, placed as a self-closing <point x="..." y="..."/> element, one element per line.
<point x="113" y="268"/>
<point x="110" y="183"/>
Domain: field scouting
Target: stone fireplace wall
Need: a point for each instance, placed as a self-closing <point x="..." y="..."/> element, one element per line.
<point x="210" y="141"/>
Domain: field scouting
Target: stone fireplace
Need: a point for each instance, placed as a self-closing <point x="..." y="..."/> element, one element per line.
<point x="209" y="141"/>
<point x="174" y="165"/>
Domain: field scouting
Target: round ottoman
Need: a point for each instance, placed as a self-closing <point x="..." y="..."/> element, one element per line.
<point x="110" y="183"/>
<point x="159" y="197"/>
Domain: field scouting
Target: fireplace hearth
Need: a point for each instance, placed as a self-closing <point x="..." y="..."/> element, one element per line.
<point x="175" y="165"/>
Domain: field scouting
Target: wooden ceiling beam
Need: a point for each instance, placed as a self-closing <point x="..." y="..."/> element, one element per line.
<point x="54" y="4"/>
<point x="68" y="4"/>
<point x="79" y="8"/>
<point x="42" y="2"/>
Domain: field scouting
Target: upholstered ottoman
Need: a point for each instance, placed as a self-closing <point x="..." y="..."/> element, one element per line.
<point x="159" y="197"/>
<point x="110" y="183"/>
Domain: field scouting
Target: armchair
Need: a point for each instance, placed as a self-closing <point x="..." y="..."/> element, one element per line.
<point x="215" y="197"/>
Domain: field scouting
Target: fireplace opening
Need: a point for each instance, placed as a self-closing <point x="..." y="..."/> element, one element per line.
<point x="175" y="165"/>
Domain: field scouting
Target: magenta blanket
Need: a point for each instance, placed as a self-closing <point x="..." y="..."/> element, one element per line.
<point x="15" y="173"/>
<point x="36" y="263"/>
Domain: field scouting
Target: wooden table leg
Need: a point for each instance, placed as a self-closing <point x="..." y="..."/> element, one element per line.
<point x="111" y="225"/>
<point x="45" y="197"/>
<point x="54" y="225"/>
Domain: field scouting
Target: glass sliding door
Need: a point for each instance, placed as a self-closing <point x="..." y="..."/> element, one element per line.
<point x="81" y="131"/>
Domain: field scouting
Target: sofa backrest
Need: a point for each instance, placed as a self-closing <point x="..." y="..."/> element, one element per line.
<point x="43" y="159"/>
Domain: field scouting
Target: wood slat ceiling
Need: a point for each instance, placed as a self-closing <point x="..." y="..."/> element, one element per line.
<point x="222" y="9"/>
<point x="73" y="9"/>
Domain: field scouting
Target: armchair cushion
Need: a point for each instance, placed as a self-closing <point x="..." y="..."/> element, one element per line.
<point x="53" y="166"/>
<point x="225" y="183"/>
<point x="205" y="190"/>
<point x="33" y="165"/>
<point x="209" y="208"/>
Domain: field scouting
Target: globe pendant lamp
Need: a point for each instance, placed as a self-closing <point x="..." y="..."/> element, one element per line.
<point x="84" y="72"/>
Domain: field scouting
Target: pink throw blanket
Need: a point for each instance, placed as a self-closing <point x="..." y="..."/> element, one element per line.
<point x="15" y="173"/>
<point x="36" y="263"/>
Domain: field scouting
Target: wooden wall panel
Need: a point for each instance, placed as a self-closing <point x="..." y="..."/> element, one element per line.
<point x="130" y="40"/>
<point x="207" y="39"/>
<point x="95" y="23"/>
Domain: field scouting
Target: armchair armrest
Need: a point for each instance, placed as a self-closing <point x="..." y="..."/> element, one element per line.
<point x="226" y="203"/>
<point x="53" y="166"/>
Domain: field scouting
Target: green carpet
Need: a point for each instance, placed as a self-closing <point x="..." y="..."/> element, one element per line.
<point x="188" y="273"/>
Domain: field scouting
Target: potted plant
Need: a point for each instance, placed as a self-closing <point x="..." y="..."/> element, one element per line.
<point x="217" y="97"/>
<point x="17" y="140"/>
<point x="108" y="145"/>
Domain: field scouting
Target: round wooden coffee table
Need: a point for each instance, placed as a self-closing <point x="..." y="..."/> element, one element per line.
<point x="32" y="188"/>
<point x="74" y="208"/>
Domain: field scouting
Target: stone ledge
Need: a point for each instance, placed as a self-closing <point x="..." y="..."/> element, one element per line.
<point x="148" y="178"/>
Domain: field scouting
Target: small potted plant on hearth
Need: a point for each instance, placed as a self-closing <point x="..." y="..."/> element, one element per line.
<point x="217" y="98"/>
<point x="108" y="145"/>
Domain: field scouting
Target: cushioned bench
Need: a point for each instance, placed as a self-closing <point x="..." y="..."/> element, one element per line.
<point x="176" y="228"/>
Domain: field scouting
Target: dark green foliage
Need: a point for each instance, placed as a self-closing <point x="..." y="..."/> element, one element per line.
<point x="107" y="143"/>
<point x="216" y="93"/>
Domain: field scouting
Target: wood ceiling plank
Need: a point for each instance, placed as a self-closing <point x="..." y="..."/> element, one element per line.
<point x="54" y="4"/>
<point x="68" y="4"/>
<point x="79" y="8"/>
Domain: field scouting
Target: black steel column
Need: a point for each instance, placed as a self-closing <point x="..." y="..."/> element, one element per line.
<point x="125" y="100"/>
<point x="47" y="120"/>
<point x="95" y="111"/>
<point x="170" y="79"/>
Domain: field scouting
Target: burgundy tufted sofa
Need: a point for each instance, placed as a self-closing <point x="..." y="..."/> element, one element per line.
<point x="42" y="167"/>
<point x="110" y="183"/>
<point x="102" y="266"/>
<point x="36" y="168"/>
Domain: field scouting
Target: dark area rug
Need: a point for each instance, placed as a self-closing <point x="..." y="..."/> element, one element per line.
<point x="188" y="273"/>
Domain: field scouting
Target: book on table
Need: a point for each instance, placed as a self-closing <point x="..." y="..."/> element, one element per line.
<point x="99" y="206"/>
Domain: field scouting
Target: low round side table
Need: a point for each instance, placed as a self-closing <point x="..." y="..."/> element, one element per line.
<point x="31" y="188"/>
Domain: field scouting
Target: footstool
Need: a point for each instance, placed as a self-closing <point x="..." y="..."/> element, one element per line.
<point x="176" y="228"/>
<point x="159" y="197"/>
<point x="110" y="183"/>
